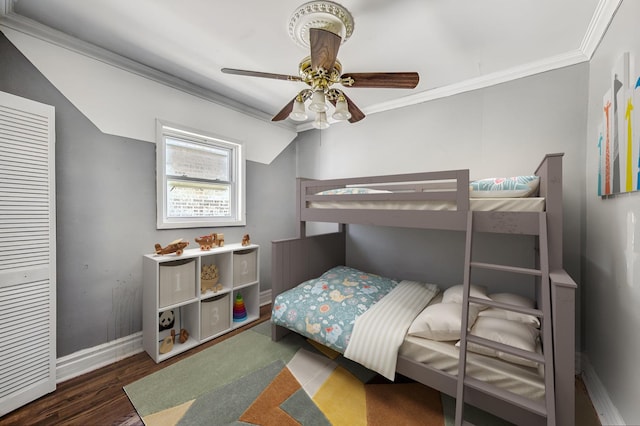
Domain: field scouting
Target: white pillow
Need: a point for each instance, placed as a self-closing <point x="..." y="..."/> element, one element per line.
<point x="454" y="294"/>
<point x="512" y="299"/>
<point x="510" y="333"/>
<point x="441" y="321"/>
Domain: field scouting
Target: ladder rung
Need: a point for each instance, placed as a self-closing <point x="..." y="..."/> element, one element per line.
<point x="531" y="356"/>
<point x="506" y="268"/>
<point x="506" y="306"/>
<point x="528" y="404"/>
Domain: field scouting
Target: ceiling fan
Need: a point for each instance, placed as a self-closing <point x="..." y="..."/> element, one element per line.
<point x="323" y="26"/>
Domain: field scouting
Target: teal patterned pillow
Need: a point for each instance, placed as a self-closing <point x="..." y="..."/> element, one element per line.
<point x="509" y="187"/>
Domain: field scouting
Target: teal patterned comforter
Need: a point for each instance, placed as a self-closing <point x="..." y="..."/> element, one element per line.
<point x="325" y="308"/>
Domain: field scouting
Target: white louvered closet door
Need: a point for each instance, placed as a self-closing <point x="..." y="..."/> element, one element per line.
<point x="27" y="251"/>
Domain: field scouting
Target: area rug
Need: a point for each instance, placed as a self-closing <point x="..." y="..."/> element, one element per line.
<point x="248" y="379"/>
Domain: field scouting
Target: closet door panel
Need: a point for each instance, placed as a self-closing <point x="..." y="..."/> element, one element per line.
<point x="27" y="251"/>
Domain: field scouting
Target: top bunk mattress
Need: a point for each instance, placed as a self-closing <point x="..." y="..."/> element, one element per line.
<point x="528" y="204"/>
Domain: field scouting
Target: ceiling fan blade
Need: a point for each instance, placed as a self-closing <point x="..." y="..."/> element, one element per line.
<point x="390" y="80"/>
<point x="324" y="48"/>
<point x="284" y="112"/>
<point x="356" y="114"/>
<point x="260" y="74"/>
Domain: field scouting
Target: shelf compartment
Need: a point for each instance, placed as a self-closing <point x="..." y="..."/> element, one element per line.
<point x="251" y="298"/>
<point x="245" y="267"/>
<point x="185" y="317"/>
<point x="177" y="282"/>
<point x="222" y="261"/>
<point x="215" y="316"/>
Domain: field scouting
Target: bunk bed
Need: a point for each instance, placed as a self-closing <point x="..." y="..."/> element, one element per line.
<point x="442" y="200"/>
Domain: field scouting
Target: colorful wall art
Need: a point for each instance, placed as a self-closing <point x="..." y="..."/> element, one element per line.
<point x="619" y="132"/>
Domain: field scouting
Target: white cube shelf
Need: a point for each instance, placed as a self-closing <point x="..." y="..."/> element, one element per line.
<point x="172" y="285"/>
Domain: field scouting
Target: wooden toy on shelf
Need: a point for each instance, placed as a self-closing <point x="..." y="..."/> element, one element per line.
<point x="176" y="247"/>
<point x="207" y="241"/>
<point x="167" y="343"/>
<point x="209" y="279"/>
<point x="246" y="240"/>
<point x="184" y="335"/>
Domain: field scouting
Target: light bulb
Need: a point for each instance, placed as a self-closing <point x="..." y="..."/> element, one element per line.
<point x="342" y="110"/>
<point x="321" y="121"/>
<point x="298" y="113"/>
<point x="318" y="103"/>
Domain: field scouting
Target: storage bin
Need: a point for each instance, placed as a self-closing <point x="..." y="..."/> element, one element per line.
<point x="177" y="282"/>
<point x="245" y="264"/>
<point x="215" y="316"/>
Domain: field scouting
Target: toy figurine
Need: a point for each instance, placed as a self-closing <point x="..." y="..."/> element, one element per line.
<point x="246" y="240"/>
<point x="176" y="247"/>
<point x="207" y="241"/>
<point x="209" y="279"/>
<point x="220" y="239"/>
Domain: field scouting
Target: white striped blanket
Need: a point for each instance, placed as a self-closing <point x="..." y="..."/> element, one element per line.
<point x="379" y="332"/>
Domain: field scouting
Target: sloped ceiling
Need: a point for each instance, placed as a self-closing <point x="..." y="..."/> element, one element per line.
<point x="447" y="41"/>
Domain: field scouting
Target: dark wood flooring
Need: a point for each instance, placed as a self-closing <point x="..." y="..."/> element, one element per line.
<point x="97" y="398"/>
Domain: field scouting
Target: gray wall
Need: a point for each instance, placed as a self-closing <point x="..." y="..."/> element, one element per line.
<point x="106" y="212"/>
<point x="612" y="229"/>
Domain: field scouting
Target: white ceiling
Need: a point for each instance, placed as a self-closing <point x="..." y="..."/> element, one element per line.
<point x="447" y="42"/>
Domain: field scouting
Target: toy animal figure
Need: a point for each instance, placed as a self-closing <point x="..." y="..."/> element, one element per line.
<point x="176" y="247"/>
<point x="246" y="240"/>
<point x="207" y="241"/>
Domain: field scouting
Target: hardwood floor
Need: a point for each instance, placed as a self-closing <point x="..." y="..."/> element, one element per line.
<point x="97" y="398"/>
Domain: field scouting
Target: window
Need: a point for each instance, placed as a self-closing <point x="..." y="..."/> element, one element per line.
<point x="200" y="179"/>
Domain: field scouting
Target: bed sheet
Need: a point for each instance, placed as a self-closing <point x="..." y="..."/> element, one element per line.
<point x="325" y="308"/>
<point x="529" y="204"/>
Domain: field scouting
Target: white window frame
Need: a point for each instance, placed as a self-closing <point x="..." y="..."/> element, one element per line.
<point x="238" y="181"/>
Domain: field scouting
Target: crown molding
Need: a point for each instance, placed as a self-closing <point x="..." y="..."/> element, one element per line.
<point x="600" y="21"/>
<point x="482" y="82"/>
<point x="32" y="28"/>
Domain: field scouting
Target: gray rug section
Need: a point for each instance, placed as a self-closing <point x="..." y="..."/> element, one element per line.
<point x="210" y="369"/>
<point x="226" y="404"/>
<point x="304" y="410"/>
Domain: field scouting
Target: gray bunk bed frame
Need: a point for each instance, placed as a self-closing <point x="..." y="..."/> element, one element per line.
<point x="305" y="257"/>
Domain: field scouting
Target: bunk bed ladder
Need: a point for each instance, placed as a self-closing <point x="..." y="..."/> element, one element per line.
<point x="546" y="409"/>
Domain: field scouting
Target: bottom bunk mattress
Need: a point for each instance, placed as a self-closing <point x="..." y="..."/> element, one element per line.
<point x="443" y="356"/>
<point x="325" y="310"/>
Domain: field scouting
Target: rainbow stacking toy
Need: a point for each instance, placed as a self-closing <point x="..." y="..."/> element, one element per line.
<point x="239" y="310"/>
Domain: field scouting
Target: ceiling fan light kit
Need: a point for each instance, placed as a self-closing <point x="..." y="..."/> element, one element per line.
<point x="322" y="26"/>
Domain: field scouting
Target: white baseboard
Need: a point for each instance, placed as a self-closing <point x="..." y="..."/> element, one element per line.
<point x="607" y="412"/>
<point x="87" y="360"/>
<point x="265" y="297"/>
